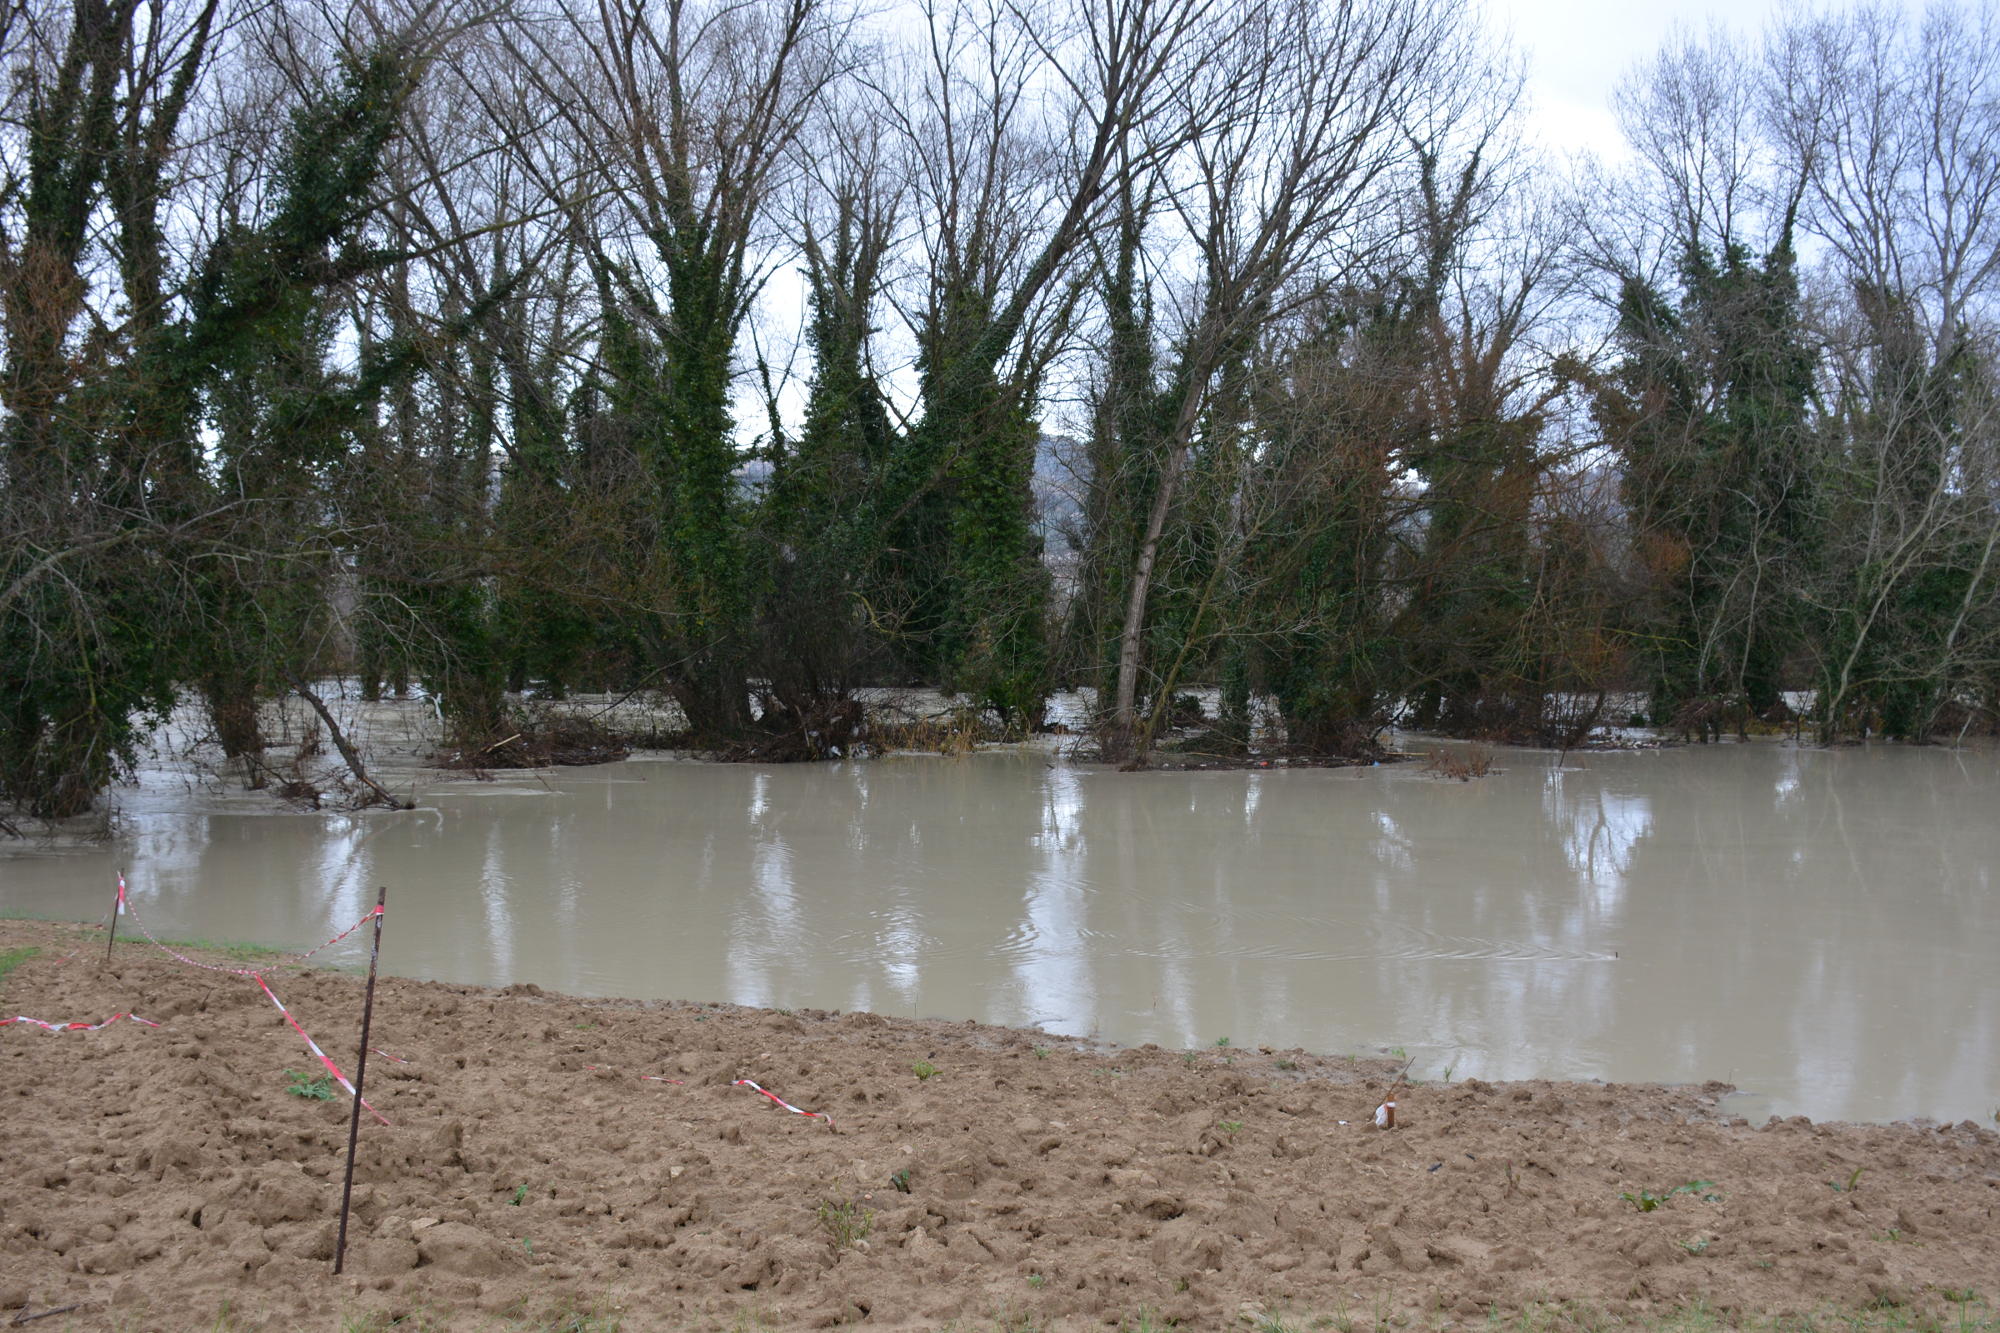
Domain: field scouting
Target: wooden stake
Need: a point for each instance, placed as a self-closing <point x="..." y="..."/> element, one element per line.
<point x="360" y="1074"/>
<point x="1385" y="1114"/>
<point x="117" y="905"/>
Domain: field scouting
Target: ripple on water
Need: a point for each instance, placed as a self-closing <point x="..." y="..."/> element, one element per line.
<point x="1799" y="922"/>
<point x="1375" y="941"/>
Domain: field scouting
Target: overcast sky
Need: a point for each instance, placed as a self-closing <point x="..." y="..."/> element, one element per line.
<point x="1578" y="49"/>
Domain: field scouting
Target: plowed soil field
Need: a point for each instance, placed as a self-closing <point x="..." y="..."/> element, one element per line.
<point x="593" y="1164"/>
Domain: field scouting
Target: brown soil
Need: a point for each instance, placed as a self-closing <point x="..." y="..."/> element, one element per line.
<point x="154" y="1175"/>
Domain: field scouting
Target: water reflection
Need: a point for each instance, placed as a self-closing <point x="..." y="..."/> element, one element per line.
<point x="1813" y="925"/>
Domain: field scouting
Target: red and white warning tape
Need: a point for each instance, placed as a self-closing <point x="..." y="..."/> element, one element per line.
<point x="373" y="912"/>
<point x="810" y="1115"/>
<point x="168" y="949"/>
<point x="739" y="1083"/>
<point x="76" y="1027"/>
<point x="648" y="1078"/>
<point x="290" y="961"/>
<point x="257" y="975"/>
<point x="313" y="1046"/>
<point x="252" y="973"/>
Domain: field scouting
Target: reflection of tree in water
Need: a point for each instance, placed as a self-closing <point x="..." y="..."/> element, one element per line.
<point x="1598" y="828"/>
<point x="1824" y="889"/>
<point x="768" y="934"/>
<point x="1053" y="955"/>
<point x="1495" y="928"/>
<point x="1789" y="918"/>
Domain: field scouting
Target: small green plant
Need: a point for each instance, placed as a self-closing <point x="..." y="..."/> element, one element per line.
<point x="1221" y="1041"/>
<point x="520" y="1193"/>
<point x="1288" y="1065"/>
<point x="845" y="1222"/>
<point x="1189" y="1057"/>
<point x="1695" y="1244"/>
<point x="1399" y="1053"/>
<point x="318" y="1089"/>
<point x="1036" y="1280"/>
<point x="1447" y="1072"/>
<point x="1231" y="1127"/>
<point x="1647" y="1200"/>
<point x="924" y="1070"/>
<point x="1853" y="1181"/>
<point x="1041" y="1052"/>
<point x="13" y="958"/>
<point x="901" y="1181"/>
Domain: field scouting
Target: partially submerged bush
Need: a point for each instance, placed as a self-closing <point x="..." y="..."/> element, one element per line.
<point x="1474" y="761"/>
<point x="540" y="738"/>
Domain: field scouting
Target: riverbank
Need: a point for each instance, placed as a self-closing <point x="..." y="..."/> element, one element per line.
<point x="402" y="744"/>
<point x="557" y="1162"/>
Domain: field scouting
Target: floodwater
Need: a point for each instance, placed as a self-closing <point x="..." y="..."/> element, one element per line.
<point x="1818" y="927"/>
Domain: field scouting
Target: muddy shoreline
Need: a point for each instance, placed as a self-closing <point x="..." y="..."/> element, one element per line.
<point x="556" y="1161"/>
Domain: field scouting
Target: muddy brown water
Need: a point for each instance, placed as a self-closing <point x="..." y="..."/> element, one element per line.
<point x="1817" y="927"/>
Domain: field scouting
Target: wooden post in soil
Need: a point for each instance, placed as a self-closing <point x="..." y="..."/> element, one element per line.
<point x="117" y="907"/>
<point x="360" y="1075"/>
<point x="1385" y="1114"/>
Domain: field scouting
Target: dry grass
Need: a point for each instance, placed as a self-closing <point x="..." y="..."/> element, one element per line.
<point x="1474" y="761"/>
<point x="952" y="733"/>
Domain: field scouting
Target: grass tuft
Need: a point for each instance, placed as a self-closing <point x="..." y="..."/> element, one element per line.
<point x="313" y="1088"/>
<point x="13" y="958"/>
<point x="846" y="1222"/>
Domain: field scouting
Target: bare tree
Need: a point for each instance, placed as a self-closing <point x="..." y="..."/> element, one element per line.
<point x="1023" y="122"/>
<point x="686" y="115"/>
<point x="1300" y="125"/>
<point x="1892" y="123"/>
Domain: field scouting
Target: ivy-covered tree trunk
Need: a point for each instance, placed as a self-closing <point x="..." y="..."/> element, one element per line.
<point x="1709" y="417"/>
<point x="812" y="543"/>
<point x="541" y="513"/>
<point x="79" y="654"/>
<point x="994" y="640"/>
<point x="102" y="471"/>
<point x="694" y="461"/>
<point x="1120" y="460"/>
<point x="1316" y="611"/>
<point x="962" y="565"/>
